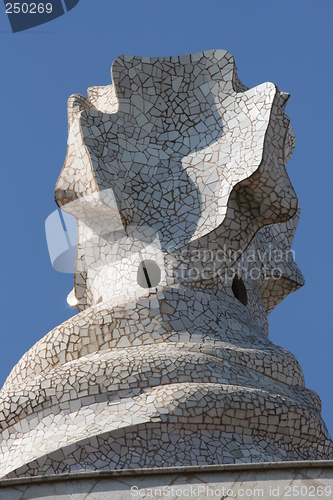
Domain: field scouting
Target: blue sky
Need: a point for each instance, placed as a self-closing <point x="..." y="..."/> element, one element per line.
<point x="286" y="42"/>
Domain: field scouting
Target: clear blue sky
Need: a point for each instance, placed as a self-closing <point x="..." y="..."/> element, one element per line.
<point x="285" y="42"/>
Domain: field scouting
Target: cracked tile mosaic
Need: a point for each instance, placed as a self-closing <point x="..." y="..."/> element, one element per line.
<point x="176" y="174"/>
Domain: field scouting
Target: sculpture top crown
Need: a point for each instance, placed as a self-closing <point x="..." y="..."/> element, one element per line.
<point x="179" y="145"/>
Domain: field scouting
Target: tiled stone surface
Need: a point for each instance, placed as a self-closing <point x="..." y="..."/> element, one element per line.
<point x="176" y="164"/>
<point x="188" y="150"/>
<point x="307" y="483"/>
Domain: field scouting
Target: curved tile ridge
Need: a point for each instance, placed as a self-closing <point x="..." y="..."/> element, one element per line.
<point x="76" y="156"/>
<point x="127" y="449"/>
<point x="263" y="198"/>
<point x="159" y="317"/>
<point x="111" y="373"/>
<point x="225" y="407"/>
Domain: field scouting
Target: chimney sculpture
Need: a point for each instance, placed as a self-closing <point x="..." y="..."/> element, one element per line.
<point x="176" y="175"/>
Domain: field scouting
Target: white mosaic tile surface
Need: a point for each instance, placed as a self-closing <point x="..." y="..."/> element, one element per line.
<point x="172" y="166"/>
